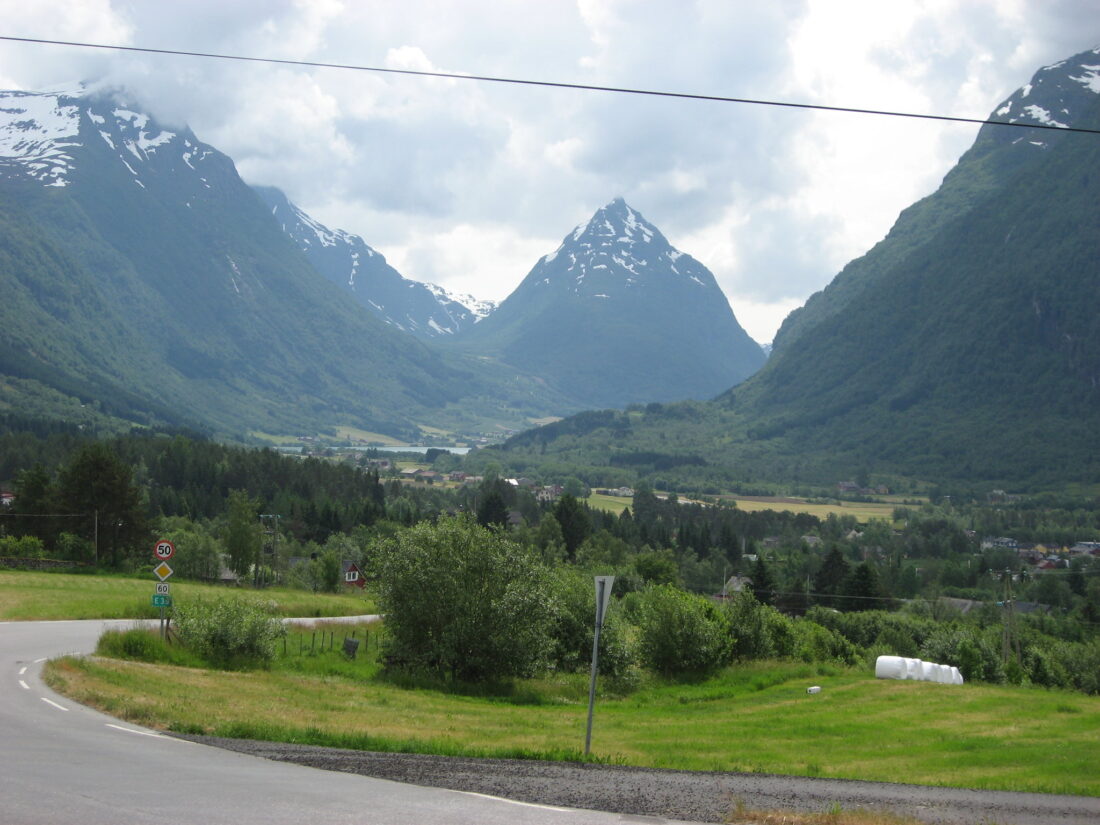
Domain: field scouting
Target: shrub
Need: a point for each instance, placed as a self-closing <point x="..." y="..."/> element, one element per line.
<point x="22" y="547"/>
<point x="966" y="649"/>
<point x="681" y="632"/>
<point x="759" y="631"/>
<point x="814" y="643"/>
<point x="463" y="601"/>
<point x="574" y="626"/>
<point x="229" y="632"/>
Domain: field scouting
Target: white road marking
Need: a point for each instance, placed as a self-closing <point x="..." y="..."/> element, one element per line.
<point x="131" y="730"/>
<point x="517" y="802"/>
<point x="52" y="702"/>
<point x="40" y="661"/>
<point x="24" y="684"/>
<point x="22" y="670"/>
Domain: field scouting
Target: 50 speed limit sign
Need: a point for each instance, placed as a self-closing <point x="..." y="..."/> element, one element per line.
<point x="164" y="550"/>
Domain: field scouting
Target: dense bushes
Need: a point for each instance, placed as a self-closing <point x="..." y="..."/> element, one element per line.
<point x="229" y="632"/>
<point x="679" y="632"/>
<point x="463" y="601"/>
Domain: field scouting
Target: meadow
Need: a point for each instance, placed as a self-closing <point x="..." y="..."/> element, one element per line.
<point x="49" y="596"/>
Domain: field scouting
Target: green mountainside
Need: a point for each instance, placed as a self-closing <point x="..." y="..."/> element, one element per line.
<point x="965" y="345"/>
<point x="149" y="281"/>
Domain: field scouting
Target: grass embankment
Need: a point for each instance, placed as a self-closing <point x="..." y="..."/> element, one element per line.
<point x="755" y="718"/>
<point x="26" y="596"/>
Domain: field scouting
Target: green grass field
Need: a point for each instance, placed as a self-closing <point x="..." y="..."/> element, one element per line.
<point x="44" y="596"/>
<point x="756" y="718"/>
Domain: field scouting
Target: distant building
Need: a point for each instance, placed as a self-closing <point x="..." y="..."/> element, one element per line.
<point x="7" y="498"/>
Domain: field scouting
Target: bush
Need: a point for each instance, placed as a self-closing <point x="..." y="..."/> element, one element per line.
<point x="965" y="649"/>
<point x="22" y="547"/>
<point x="464" y="602"/>
<point x="681" y="633"/>
<point x="759" y="630"/>
<point x="814" y="643"/>
<point x="574" y="626"/>
<point x="229" y="632"/>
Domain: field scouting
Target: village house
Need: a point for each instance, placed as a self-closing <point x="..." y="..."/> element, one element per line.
<point x="7" y="498"/>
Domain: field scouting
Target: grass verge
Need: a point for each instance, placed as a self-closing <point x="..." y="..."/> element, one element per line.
<point x="753" y="718"/>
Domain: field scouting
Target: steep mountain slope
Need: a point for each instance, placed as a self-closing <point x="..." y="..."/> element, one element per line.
<point x="142" y="275"/>
<point x="425" y="310"/>
<point x="965" y="345"/>
<point x="616" y="315"/>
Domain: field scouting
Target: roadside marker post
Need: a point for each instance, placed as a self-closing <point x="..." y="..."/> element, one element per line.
<point x="603" y="597"/>
<point x="162" y="551"/>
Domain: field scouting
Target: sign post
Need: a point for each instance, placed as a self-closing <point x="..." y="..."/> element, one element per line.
<point x="162" y="551"/>
<point x="603" y="596"/>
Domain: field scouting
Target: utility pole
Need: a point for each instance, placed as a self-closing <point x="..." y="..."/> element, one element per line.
<point x="1010" y="642"/>
<point x="269" y="527"/>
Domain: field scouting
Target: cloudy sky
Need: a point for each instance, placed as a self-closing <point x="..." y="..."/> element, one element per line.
<point x="467" y="184"/>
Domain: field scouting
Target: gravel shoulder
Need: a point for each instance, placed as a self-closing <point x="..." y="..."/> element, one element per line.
<point x="684" y="795"/>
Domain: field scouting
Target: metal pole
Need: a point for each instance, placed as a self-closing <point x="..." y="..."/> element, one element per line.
<point x="603" y="591"/>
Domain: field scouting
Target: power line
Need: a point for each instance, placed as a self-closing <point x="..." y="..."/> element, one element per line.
<point x="549" y="84"/>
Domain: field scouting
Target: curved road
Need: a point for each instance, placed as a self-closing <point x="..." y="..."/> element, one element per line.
<point x="63" y="762"/>
<point x="60" y="762"/>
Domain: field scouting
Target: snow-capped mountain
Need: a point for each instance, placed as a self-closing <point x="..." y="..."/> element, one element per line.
<point x="1057" y="94"/>
<point x="42" y="134"/>
<point x="140" y="275"/>
<point x="617" y="315"/>
<point x="425" y="310"/>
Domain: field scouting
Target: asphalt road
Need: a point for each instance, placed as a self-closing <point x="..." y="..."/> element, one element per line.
<point x="60" y="762"/>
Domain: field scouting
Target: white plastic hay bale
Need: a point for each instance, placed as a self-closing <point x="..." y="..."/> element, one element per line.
<point x="912" y="668"/>
<point x="956" y="676"/>
<point x="928" y="671"/>
<point x="943" y="675"/>
<point x="814" y="689"/>
<point x="890" y="667"/>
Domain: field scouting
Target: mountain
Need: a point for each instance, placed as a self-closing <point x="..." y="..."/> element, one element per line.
<point x="143" y="278"/>
<point x="965" y="345"/>
<point x="616" y="315"/>
<point x="425" y="310"/>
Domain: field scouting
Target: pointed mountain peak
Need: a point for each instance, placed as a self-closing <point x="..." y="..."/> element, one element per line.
<point x="618" y="220"/>
<point x="1057" y="95"/>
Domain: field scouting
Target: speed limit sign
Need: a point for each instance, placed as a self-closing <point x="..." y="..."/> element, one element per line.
<point x="164" y="550"/>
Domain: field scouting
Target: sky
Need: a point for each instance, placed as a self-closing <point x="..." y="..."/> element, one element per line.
<point x="467" y="184"/>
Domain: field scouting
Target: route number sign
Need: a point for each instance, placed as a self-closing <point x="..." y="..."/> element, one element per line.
<point x="164" y="550"/>
<point x="162" y="588"/>
<point x="162" y="601"/>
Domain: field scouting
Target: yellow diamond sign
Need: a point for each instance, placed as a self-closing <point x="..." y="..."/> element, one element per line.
<point x="162" y="570"/>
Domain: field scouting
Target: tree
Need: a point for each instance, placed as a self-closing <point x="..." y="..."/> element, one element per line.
<point x="574" y="522"/>
<point x="35" y="497"/>
<point x="834" y="570"/>
<point x="763" y="584"/>
<point x="492" y="512"/>
<point x="242" y="532"/>
<point x="463" y="602"/>
<point x="99" y="486"/>
<point x="861" y="590"/>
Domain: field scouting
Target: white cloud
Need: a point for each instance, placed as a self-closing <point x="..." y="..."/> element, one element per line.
<point x="466" y="184"/>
